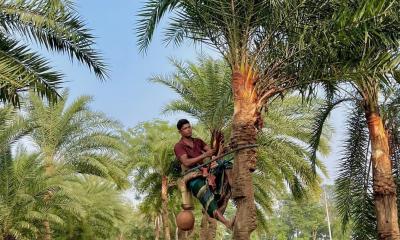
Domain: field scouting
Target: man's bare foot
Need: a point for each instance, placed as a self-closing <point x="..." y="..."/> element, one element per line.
<point x="231" y="223"/>
<point x="220" y="217"/>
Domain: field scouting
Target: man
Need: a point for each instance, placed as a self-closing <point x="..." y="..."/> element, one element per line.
<point x="192" y="152"/>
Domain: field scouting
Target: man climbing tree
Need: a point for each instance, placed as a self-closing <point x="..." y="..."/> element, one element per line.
<point x="204" y="185"/>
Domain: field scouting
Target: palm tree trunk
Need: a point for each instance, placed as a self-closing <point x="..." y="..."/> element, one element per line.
<point x="383" y="183"/>
<point x="157" y="228"/>
<point x="9" y="237"/>
<point x="184" y="235"/>
<point x="244" y="132"/>
<point x="164" y="200"/>
<point x="314" y="234"/>
<point x="47" y="230"/>
<point x="49" y="171"/>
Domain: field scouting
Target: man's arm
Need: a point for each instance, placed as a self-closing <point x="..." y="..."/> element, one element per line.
<point x="188" y="162"/>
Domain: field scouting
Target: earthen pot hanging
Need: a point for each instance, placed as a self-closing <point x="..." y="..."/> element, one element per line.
<point x="185" y="220"/>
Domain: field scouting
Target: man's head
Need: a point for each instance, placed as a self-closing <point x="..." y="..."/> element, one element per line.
<point x="184" y="128"/>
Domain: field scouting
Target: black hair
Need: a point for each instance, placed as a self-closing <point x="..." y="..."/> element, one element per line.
<point x="181" y="122"/>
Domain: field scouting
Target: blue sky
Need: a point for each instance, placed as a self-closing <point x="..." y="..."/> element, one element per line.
<point x="128" y="96"/>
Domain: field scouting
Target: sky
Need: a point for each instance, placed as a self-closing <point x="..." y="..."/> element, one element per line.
<point x="128" y="96"/>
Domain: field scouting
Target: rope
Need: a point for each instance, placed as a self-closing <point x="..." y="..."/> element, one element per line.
<point x="221" y="156"/>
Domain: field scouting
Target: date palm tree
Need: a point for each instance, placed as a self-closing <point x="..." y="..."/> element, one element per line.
<point x="77" y="138"/>
<point x="362" y="59"/>
<point x="205" y="94"/>
<point x="149" y="152"/>
<point x="260" y="42"/>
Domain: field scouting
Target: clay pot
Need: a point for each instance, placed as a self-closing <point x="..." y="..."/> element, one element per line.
<point x="185" y="220"/>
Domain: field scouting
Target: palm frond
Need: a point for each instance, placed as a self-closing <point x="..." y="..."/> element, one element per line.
<point x="353" y="185"/>
<point x="149" y="17"/>
<point x="22" y="69"/>
<point x="58" y="29"/>
<point x="318" y="126"/>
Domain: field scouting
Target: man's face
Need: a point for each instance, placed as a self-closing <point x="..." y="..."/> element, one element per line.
<point x="186" y="130"/>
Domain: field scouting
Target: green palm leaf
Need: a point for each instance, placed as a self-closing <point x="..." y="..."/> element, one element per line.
<point x="353" y="185"/>
<point x="21" y="69"/>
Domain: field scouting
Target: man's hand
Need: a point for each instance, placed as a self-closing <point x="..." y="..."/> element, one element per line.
<point x="213" y="164"/>
<point x="209" y="153"/>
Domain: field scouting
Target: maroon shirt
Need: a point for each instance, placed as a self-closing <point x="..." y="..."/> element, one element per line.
<point x="182" y="148"/>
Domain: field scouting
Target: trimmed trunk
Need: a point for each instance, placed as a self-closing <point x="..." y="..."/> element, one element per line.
<point x="245" y="121"/>
<point x="383" y="182"/>
<point x="183" y="235"/>
<point x="164" y="200"/>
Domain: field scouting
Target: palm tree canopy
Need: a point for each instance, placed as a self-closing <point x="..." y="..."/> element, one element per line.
<point x="361" y="44"/>
<point x="268" y="37"/>
<point x="149" y="152"/>
<point x="85" y="140"/>
<point x="204" y="89"/>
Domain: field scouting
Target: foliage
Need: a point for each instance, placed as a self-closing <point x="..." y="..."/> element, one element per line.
<point x="77" y="137"/>
<point x="54" y="25"/>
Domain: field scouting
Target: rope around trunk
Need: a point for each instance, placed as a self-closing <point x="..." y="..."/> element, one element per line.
<point x="221" y="156"/>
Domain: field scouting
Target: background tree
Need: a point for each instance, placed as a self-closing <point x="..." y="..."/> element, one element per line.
<point x="72" y="200"/>
<point x="150" y="152"/>
<point x="204" y="88"/>
<point x="305" y="219"/>
<point x="75" y="136"/>
<point x="101" y="210"/>
<point x="355" y="181"/>
<point x="364" y="54"/>
<point x="23" y="184"/>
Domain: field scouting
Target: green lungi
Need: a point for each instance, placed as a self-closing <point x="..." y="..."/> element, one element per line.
<point x="201" y="190"/>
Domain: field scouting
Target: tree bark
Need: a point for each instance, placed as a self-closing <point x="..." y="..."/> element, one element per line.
<point x="164" y="200"/>
<point x="384" y="186"/>
<point x="245" y="121"/>
<point x="183" y="235"/>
